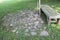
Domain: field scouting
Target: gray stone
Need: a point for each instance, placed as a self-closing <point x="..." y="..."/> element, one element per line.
<point x="44" y="33"/>
<point x="27" y="34"/>
<point x="27" y="30"/>
<point x="33" y="33"/>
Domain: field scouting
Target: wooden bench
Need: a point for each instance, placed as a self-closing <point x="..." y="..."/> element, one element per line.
<point x="51" y="14"/>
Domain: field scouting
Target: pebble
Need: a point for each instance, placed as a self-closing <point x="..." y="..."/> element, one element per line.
<point x="27" y="30"/>
<point x="27" y="34"/>
<point x="33" y="33"/>
<point x="44" y="33"/>
<point x="13" y="30"/>
<point x="17" y="32"/>
<point x="11" y="25"/>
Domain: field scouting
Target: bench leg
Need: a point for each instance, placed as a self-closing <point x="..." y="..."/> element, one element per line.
<point x="49" y="22"/>
<point x="47" y="19"/>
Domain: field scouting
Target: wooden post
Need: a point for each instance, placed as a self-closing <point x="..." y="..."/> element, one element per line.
<point x="58" y="21"/>
<point x="39" y="8"/>
<point x="49" y="22"/>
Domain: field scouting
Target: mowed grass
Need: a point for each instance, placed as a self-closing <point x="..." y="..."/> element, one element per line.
<point x="14" y="6"/>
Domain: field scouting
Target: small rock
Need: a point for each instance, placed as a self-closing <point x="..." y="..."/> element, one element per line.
<point x="33" y="30"/>
<point x="27" y="34"/>
<point x="13" y="30"/>
<point x="17" y="32"/>
<point x="23" y="13"/>
<point x="34" y="18"/>
<point x="29" y="23"/>
<point x="35" y="27"/>
<point x="27" y="30"/>
<point x="33" y="33"/>
<point x="29" y="27"/>
<point x="11" y="25"/>
<point x="36" y="22"/>
<point x="44" y="33"/>
<point x="44" y="28"/>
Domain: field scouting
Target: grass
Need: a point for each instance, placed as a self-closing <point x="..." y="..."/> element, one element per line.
<point x="54" y="35"/>
<point x="14" y="6"/>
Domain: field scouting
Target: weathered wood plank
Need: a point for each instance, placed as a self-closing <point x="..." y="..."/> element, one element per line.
<point x="50" y="13"/>
<point x="48" y="10"/>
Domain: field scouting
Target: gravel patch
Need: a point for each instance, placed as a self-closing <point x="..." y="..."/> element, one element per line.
<point x="25" y="19"/>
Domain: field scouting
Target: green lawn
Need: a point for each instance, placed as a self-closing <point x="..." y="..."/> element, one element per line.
<point x="15" y="5"/>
